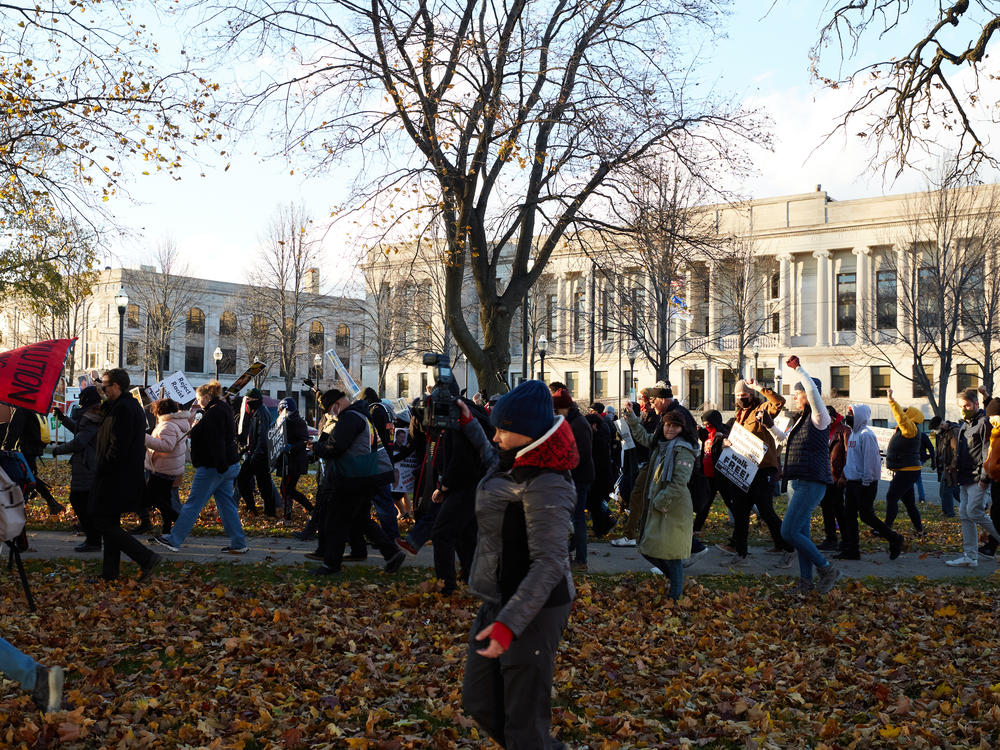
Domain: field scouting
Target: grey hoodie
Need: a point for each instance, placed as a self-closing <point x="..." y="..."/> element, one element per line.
<point x="863" y="461"/>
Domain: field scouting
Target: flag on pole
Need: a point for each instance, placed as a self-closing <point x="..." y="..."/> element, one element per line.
<point x="30" y="375"/>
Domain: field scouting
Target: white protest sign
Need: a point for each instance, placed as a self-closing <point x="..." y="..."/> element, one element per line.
<point x="176" y="387"/>
<point x="406" y="470"/>
<point x="746" y="443"/>
<point x="738" y="462"/>
<point x="353" y="389"/>
<point x="883" y="435"/>
<point x="626" y="433"/>
<point x="738" y="469"/>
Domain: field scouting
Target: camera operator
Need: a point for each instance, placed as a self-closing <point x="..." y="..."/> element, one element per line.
<point x="350" y="503"/>
<point x="454" y="529"/>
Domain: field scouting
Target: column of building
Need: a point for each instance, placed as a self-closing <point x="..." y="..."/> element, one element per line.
<point x="864" y="321"/>
<point x="823" y="302"/>
<point x="784" y="292"/>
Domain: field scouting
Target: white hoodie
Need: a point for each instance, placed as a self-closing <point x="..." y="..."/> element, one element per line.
<point x="863" y="461"/>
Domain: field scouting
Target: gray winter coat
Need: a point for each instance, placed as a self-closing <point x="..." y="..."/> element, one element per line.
<point x="524" y="516"/>
<point x="83" y="447"/>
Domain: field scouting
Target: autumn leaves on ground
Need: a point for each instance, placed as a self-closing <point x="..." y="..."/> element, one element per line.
<point x="251" y="656"/>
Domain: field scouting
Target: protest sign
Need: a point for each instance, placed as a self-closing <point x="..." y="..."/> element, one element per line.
<point x="248" y="374"/>
<point x="276" y="441"/>
<point x="406" y="470"/>
<point x="625" y="432"/>
<point x="738" y="462"/>
<point x="783" y="422"/>
<point x="883" y="435"/>
<point x="353" y="389"/>
<point x="176" y="387"/>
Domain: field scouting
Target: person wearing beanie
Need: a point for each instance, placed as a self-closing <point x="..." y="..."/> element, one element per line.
<point x="713" y="435"/>
<point x="972" y="477"/>
<point x="521" y="572"/>
<point x="255" y="471"/>
<point x="83" y="462"/>
<point x="756" y="408"/>
<point x="902" y="457"/>
<point x="807" y="468"/>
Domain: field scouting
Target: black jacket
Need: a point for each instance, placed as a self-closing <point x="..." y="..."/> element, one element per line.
<point x="213" y="439"/>
<point x="296" y="437"/>
<point x="121" y="454"/>
<point x="256" y="433"/>
<point x="584" y="471"/>
<point x="83" y="448"/>
<point x="973" y="446"/>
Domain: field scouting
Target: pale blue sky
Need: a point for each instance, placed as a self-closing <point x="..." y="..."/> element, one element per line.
<point x="217" y="219"/>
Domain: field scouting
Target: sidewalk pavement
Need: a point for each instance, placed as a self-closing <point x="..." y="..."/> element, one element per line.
<point x="602" y="558"/>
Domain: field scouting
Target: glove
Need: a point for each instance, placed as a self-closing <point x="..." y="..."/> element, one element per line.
<point x="58" y="412"/>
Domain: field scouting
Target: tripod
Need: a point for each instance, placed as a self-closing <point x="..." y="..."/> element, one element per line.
<point x="15" y="557"/>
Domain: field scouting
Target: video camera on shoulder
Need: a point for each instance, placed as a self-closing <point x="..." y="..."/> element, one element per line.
<point x="441" y="406"/>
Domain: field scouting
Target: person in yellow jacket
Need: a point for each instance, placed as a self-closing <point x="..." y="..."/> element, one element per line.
<point x="902" y="457"/>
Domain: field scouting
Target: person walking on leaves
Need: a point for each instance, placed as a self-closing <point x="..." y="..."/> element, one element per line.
<point x="667" y="516"/>
<point x="120" y="478"/>
<point x="296" y="459"/>
<point x="256" y="468"/>
<point x="807" y="467"/>
<point x="862" y="469"/>
<point x="524" y="507"/>
<point x="903" y="458"/>
<point x="83" y="462"/>
<point x="756" y="408"/>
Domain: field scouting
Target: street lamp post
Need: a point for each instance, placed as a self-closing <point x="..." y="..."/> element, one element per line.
<point x="121" y="299"/>
<point x="217" y="356"/>
<point x="543" y="345"/>
<point x="756" y="357"/>
<point x="633" y="352"/>
<point x="317" y="369"/>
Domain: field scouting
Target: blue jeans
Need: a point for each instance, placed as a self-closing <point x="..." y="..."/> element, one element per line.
<point x="580" y="523"/>
<point x="421" y="530"/>
<point x="921" y="495"/>
<point x="674" y="570"/>
<point x="806" y="495"/>
<point x="17" y="665"/>
<point x="385" y="510"/>
<point x="206" y="483"/>
<point x="950" y="496"/>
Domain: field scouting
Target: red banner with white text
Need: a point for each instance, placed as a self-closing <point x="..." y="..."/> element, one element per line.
<point x="29" y="375"/>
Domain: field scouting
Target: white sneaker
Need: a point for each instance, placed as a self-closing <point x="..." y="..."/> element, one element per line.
<point x="962" y="562"/>
<point x="623" y="541"/>
<point x="656" y="571"/>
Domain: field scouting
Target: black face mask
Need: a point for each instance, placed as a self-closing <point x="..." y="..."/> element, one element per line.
<point x="744" y="401"/>
<point x="849" y="420"/>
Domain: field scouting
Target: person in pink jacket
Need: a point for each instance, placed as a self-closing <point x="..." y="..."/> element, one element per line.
<point x="165" y="457"/>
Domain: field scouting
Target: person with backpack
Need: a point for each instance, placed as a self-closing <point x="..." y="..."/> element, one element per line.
<point x="82" y="450"/>
<point x="384" y="423"/>
<point x="24" y="435"/>
<point x="353" y="475"/>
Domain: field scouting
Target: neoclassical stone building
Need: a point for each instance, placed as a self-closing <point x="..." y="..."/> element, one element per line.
<point x="831" y="278"/>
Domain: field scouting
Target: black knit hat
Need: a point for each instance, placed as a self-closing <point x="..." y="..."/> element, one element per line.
<point x="330" y="397"/>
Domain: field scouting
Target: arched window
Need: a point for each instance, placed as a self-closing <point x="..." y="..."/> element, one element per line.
<point x="194" y="350"/>
<point x="343" y="336"/>
<point x="195" y="322"/>
<point x="317" y="337"/>
<point x="227" y="342"/>
<point x="227" y="324"/>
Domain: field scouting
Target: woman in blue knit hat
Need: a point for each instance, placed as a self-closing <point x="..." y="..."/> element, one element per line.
<point x="524" y="507"/>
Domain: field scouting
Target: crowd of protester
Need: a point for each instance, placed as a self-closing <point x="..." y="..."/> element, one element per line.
<point x="506" y="493"/>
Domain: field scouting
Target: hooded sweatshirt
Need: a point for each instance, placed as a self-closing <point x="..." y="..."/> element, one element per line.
<point x="903" y="453"/>
<point x="863" y="461"/>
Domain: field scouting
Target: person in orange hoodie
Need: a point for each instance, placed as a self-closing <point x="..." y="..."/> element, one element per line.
<point x="992" y="468"/>
<point x="903" y="458"/>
